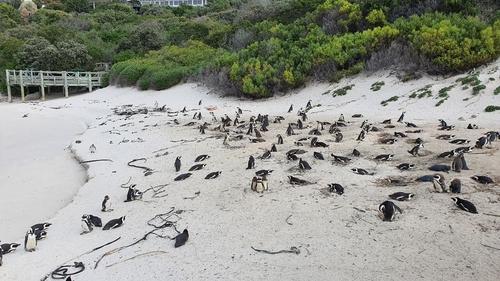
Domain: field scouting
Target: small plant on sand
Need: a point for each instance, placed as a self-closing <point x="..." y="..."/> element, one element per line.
<point x="422" y="92"/>
<point x="496" y="91"/>
<point x="377" y="86"/>
<point x="440" y="102"/>
<point x="492" y="108"/>
<point x="471" y="79"/>
<point x="342" y="91"/>
<point x="477" y="89"/>
<point x="393" y="98"/>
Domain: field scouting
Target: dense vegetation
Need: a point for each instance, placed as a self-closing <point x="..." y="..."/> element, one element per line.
<point x="255" y="48"/>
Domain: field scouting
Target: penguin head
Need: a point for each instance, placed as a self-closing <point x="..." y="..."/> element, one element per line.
<point x="30" y="231"/>
<point x="123" y="218"/>
<point x="85" y="217"/>
<point x="455" y="199"/>
<point x="437" y="177"/>
<point x="474" y="178"/>
<point x="411" y="165"/>
<point x="411" y="195"/>
<point x="106" y="197"/>
<point x="14" y="246"/>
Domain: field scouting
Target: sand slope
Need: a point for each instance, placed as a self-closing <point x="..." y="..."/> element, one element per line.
<point x="339" y="237"/>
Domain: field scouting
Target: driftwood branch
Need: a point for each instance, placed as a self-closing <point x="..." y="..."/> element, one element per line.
<point x="146" y="170"/>
<point x="96" y="160"/>
<point x="139" y="255"/>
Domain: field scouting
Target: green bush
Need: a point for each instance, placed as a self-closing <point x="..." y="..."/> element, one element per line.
<point x="492" y="108"/>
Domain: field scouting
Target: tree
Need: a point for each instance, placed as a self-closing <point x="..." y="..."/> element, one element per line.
<point x="79" y="6"/>
<point x="9" y="17"/>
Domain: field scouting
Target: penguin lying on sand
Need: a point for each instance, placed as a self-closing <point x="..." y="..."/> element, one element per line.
<point x="181" y="239"/>
<point x="114" y="223"/>
<point x="8" y="247"/>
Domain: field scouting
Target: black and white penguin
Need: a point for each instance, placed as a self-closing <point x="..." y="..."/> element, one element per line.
<point x="472" y="126"/>
<point x="447" y="154"/>
<point x="401" y="117"/>
<point x="202" y="157"/>
<point x="40" y="226"/>
<point x="30" y="241"/>
<point x="197" y="167"/>
<point x="1" y="257"/>
<point x="456" y="186"/>
<point x="440" y="168"/>
<point x="356" y="153"/>
<point x="410" y="125"/>
<point x="463" y="149"/>
<point x="289" y="130"/>
<point x="361" y="135"/>
<point x="386" y="121"/>
<point x="182" y="177"/>
<point x="257" y="133"/>
<point x="438" y="183"/>
<point x="445" y="137"/>
<point x="414" y="151"/>
<point x="297" y="181"/>
<point x="266" y="155"/>
<point x="481" y="142"/>
<point x="464" y="205"/>
<point x="280" y="139"/>
<point x="402" y="196"/>
<point x="7" y="248"/>
<point x="181" y="239"/>
<point x="133" y="194"/>
<point x="114" y="223"/>
<point x="405" y="166"/>
<point x="384" y="157"/>
<point x="251" y="163"/>
<point x="457" y="164"/>
<point x="318" y="155"/>
<point x="199" y="103"/>
<point x="290" y="109"/>
<point x="177" y="163"/>
<point x="460" y="141"/>
<point x="482" y="179"/>
<point x="389" y="141"/>
<point x="360" y="171"/>
<point x="262" y="173"/>
<point x="303" y="165"/>
<point x="341" y="118"/>
<point x="292" y="157"/>
<point x="213" y="175"/>
<point x="92" y="148"/>
<point x="388" y="210"/>
<point x="94" y="220"/>
<point x="400" y="135"/>
<point x="335" y="187"/>
<point x="340" y="159"/>
<point x="106" y="204"/>
<point x="86" y="225"/>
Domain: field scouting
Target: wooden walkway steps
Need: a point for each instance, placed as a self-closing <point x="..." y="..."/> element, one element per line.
<point x="45" y="79"/>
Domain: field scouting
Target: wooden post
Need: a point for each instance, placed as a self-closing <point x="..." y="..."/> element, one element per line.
<point x="89" y="76"/>
<point x="22" y="85"/>
<point x="42" y="86"/>
<point x="9" y="93"/>
<point x="66" y="94"/>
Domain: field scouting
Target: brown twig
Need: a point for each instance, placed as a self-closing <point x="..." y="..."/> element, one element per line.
<point x="293" y="250"/>
<point x="289" y="223"/>
<point x="140" y="255"/>
<point x="96" y="160"/>
<point x="491" y="247"/>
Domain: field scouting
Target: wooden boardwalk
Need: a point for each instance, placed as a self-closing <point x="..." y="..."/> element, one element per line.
<point x="45" y="79"/>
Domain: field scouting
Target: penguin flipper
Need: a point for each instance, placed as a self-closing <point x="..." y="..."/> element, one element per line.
<point x="397" y="208"/>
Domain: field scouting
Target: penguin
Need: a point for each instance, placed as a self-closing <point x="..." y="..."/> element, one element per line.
<point x="202" y="157"/>
<point x="426" y="178"/>
<point x="400" y="135"/>
<point x="445" y="137"/>
<point x="195" y="115"/>
<point x="297" y="181"/>
<point x="389" y="141"/>
<point x="481" y="142"/>
<point x="133" y="194"/>
<point x="442" y="123"/>
<point x="226" y="139"/>
<point x="292" y="157"/>
<point x="308" y="105"/>
<point x="472" y="126"/>
<point x="440" y="168"/>
<point x="360" y="171"/>
<point x="289" y="130"/>
<point x="280" y="139"/>
<point x="438" y="183"/>
<point x="106" y="204"/>
<point x="463" y="149"/>
<point x="482" y="179"/>
<point x="464" y="205"/>
<point x="114" y="223"/>
<point x="456" y="165"/>
<point x="456" y="186"/>
<point x="410" y="125"/>
<point x="199" y="103"/>
<point x="273" y="148"/>
<point x="250" y="129"/>
<point x="387" y="121"/>
<point x="1" y="257"/>
<point x="7" y="248"/>
<point x="261" y="173"/>
<point x="251" y="163"/>
<point x="239" y="110"/>
<point x="303" y="165"/>
<point x="388" y="210"/>
<point x="177" y="163"/>
<point x="181" y="239"/>
<point x="340" y="159"/>
<point x="341" y="118"/>
<point x="92" y="148"/>
<point x="202" y="129"/>
<point x="30" y="241"/>
<point x="182" y="177"/>
<point x="296" y="151"/>
<point x="405" y="166"/>
<point x="316" y="143"/>
<point x="40" y="234"/>
<point x="447" y="154"/>
<point x="290" y="109"/>
<point x="40" y="226"/>
<point x="197" y="167"/>
<point x="213" y="175"/>
<point x="94" y="220"/>
<point x="356" y="153"/>
<point x="402" y="196"/>
<point x="335" y="187"/>
<point x="401" y="117"/>
<point x="414" y="151"/>
<point x="459" y="141"/>
<point x="318" y="155"/>
<point x="361" y="135"/>
<point x="86" y="225"/>
<point x="266" y="155"/>
<point x="257" y="133"/>
<point x="384" y="157"/>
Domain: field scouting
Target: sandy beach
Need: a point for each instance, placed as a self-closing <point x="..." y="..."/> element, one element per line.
<point x="333" y="237"/>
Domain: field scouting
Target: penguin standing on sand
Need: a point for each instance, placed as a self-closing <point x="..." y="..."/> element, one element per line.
<point x="415" y="149"/>
<point x="303" y="165"/>
<point x="280" y="139"/>
<point x="133" y="194"/>
<point x="438" y="183"/>
<point x="106" y="204"/>
<point x="251" y="163"/>
<point x="30" y="241"/>
<point x="388" y="210"/>
<point x="181" y="239"/>
<point x="86" y="225"/>
<point x="177" y="163"/>
<point x="92" y="148"/>
<point x="114" y="223"/>
<point x="456" y="186"/>
<point x="456" y="165"/>
<point x="290" y="109"/>
<point x="400" y="120"/>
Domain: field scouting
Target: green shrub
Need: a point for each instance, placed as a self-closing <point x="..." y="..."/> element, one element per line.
<point x="496" y="91"/>
<point x="377" y="85"/>
<point x="492" y="108"/>
<point x="477" y="89"/>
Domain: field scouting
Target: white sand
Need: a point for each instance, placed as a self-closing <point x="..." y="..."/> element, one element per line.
<point x="430" y="240"/>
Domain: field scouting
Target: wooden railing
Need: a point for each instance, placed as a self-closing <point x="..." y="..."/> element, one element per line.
<point x="44" y="79"/>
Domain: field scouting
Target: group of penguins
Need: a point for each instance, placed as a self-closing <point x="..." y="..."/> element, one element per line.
<point x="388" y="209"/>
